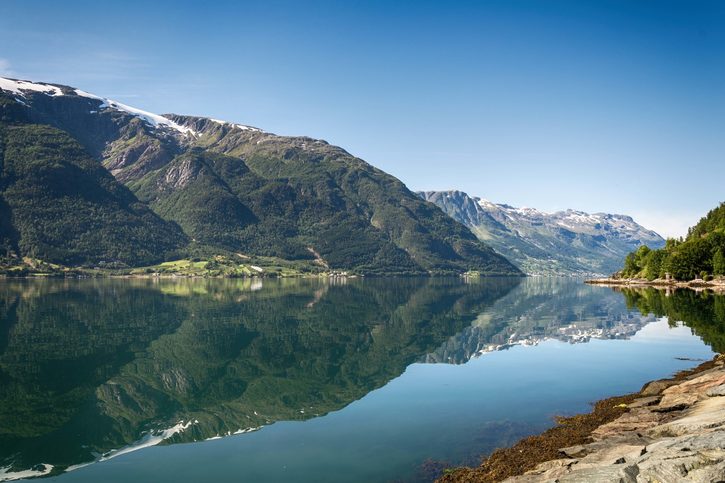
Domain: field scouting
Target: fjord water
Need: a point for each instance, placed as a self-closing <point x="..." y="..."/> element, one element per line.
<point x="352" y="380"/>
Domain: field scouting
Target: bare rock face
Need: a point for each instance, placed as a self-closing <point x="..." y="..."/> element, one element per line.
<point x="674" y="432"/>
<point x="181" y="174"/>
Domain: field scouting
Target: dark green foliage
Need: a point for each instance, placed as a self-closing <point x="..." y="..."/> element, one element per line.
<point x="714" y="221"/>
<point x="60" y="205"/>
<point x="699" y="255"/>
<point x="10" y="110"/>
<point x="189" y="192"/>
<point x="704" y="312"/>
<point x="718" y="262"/>
<point x="8" y="234"/>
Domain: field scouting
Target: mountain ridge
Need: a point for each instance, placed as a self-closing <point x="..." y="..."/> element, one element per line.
<point x="238" y="189"/>
<point x="566" y="242"/>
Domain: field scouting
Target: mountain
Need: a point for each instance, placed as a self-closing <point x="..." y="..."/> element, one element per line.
<point x="562" y="243"/>
<point x="701" y="254"/>
<point x="58" y="203"/>
<point x="214" y="187"/>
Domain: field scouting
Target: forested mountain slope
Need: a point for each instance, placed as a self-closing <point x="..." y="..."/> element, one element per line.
<point x="237" y="189"/>
<point x="700" y="254"/>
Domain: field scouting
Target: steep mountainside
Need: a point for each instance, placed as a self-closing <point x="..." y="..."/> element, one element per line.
<point x="713" y="222"/>
<point x="562" y="243"/>
<point x="238" y="189"/>
<point x="58" y="203"/>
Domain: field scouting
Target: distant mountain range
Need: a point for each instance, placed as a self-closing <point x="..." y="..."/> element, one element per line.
<point x="86" y="180"/>
<point x="562" y="243"/>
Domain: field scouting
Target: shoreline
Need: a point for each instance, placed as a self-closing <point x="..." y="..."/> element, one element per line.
<point x="274" y="276"/>
<point x="78" y="273"/>
<point x="673" y="429"/>
<point x="172" y="276"/>
<point x="697" y="284"/>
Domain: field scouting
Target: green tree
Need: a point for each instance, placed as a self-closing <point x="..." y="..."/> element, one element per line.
<point x="631" y="267"/>
<point x="702" y="253"/>
<point x="718" y="263"/>
<point x="654" y="264"/>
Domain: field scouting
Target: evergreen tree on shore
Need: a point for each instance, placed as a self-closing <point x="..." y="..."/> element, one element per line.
<point x="718" y="263"/>
<point x="701" y="254"/>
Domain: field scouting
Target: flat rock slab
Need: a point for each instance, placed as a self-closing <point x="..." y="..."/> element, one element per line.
<point x="675" y="432"/>
<point x="706" y="416"/>
<point x="644" y="401"/>
<point x="716" y="391"/>
<point x="655" y="388"/>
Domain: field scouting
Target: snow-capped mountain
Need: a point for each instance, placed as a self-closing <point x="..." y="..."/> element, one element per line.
<point x="89" y="180"/>
<point x="21" y="87"/>
<point x="562" y="243"/>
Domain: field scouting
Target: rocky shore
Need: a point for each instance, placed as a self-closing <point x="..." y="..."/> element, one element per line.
<point x="672" y="430"/>
<point x="717" y="284"/>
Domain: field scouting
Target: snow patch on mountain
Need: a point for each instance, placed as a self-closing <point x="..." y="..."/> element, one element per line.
<point x="154" y="120"/>
<point x="150" y="439"/>
<point x="238" y="126"/>
<point x="6" y="474"/>
<point x="577" y="221"/>
<point x="21" y="88"/>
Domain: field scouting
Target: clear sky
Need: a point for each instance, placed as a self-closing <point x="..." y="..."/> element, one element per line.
<point x="615" y="106"/>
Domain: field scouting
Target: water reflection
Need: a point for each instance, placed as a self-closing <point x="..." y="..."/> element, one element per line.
<point x="542" y="309"/>
<point x="92" y="369"/>
<point x="702" y="311"/>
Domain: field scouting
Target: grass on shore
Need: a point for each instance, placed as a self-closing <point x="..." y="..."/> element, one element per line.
<point x="231" y="266"/>
<point x="215" y="266"/>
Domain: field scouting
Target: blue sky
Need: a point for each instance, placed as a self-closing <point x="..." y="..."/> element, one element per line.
<point x="615" y="106"/>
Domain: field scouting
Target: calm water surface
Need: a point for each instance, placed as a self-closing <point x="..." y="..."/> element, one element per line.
<point x="309" y="380"/>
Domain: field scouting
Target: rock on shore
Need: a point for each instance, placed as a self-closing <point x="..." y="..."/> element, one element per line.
<point x="673" y="431"/>
<point x="716" y="285"/>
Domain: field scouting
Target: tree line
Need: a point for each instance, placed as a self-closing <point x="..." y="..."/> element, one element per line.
<point x="700" y="255"/>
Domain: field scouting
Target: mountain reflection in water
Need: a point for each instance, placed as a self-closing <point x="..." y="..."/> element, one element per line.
<point x="93" y="369"/>
<point x="90" y="369"/>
